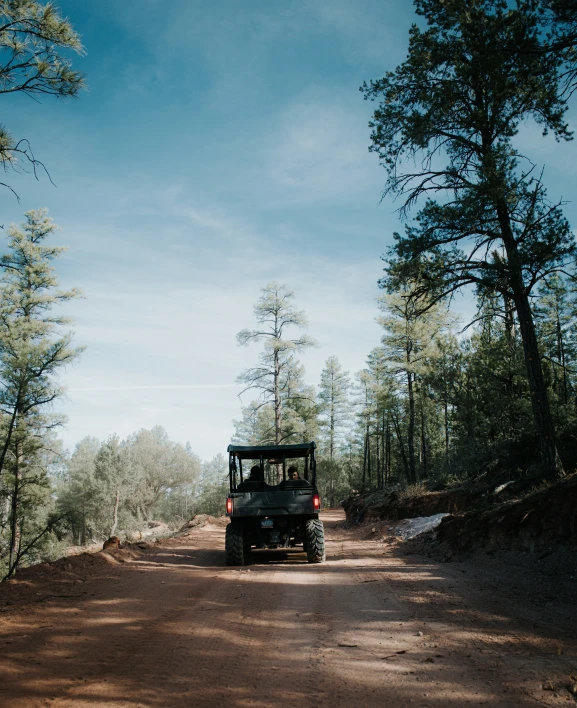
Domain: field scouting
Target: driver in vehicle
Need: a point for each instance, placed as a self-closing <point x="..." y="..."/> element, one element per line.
<point x="255" y="475"/>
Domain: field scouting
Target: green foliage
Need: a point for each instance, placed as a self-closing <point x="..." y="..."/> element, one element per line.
<point x="34" y="42"/>
<point x="33" y="350"/>
<point x="561" y="18"/>
<point x="157" y="468"/>
<point x="472" y="76"/>
<point x="334" y="405"/>
<point x="213" y="487"/>
<point x="279" y="375"/>
<point x="116" y="487"/>
<point x="77" y="491"/>
<point x="256" y="426"/>
<point x="333" y="480"/>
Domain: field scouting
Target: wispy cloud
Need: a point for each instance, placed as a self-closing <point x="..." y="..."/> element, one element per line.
<point x="318" y="150"/>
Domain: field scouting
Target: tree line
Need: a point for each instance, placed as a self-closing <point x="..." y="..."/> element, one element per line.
<point x="105" y="488"/>
<point x="435" y="402"/>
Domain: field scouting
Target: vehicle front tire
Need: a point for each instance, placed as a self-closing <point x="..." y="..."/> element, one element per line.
<point x="315" y="541"/>
<point x="234" y="544"/>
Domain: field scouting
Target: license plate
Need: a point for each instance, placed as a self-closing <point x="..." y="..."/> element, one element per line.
<point x="267" y="523"/>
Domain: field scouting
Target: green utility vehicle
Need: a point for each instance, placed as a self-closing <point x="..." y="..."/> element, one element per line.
<point x="268" y="508"/>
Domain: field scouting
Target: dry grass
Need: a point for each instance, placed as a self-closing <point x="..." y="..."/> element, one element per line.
<point x="412" y="490"/>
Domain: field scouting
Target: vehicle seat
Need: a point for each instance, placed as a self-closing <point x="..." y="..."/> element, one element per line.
<point x="296" y="483"/>
<point x="252" y="486"/>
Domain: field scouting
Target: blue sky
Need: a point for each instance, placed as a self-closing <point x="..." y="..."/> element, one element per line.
<point x="218" y="146"/>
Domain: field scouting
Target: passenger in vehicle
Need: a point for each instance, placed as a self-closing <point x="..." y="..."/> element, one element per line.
<point x="294" y="478"/>
<point x="293" y="473"/>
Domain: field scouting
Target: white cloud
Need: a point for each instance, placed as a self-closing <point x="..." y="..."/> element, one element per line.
<point x="318" y="150"/>
<point x="161" y="346"/>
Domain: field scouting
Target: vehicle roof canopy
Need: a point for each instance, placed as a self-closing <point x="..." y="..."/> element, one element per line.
<point x="246" y="452"/>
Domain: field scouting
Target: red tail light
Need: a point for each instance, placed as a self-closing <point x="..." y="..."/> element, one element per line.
<point x="316" y="502"/>
<point x="229" y="505"/>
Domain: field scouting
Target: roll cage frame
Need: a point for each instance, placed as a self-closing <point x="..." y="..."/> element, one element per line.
<point x="271" y="455"/>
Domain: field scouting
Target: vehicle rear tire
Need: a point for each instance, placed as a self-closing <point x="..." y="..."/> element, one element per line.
<point x="234" y="544"/>
<point x="315" y="541"/>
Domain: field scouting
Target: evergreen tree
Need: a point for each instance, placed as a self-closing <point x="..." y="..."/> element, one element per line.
<point x="561" y="18"/>
<point x="115" y="484"/>
<point x="462" y="93"/>
<point x="213" y="487"/>
<point x="555" y="324"/>
<point x="34" y="41"/>
<point x="441" y="379"/>
<point x="77" y="493"/>
<point x="334" y="403"/>
<point x="279" y="374"/>
<point x="33" y="350"/>
<point x="157" y="466"/>
<point x="412" y="327"/>
<point x="256" y="426"/>
<point x="28" y="519"/>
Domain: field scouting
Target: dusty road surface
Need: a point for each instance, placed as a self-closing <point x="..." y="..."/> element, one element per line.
<point x="371" y="627"/>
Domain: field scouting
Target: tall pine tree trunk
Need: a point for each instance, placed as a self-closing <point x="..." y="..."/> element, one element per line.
<point x="446" y="423"/>
<point x="332" y="426"/>
<point x="424" y="459"/>
<point x="383" y="452"/>
<point x="388" y="454"/>
<point x="369" y="457"/>
<point x="561" y="347"/>
<point x="277" y="412"/>
<point x="14" y="515"/>
<point x="364" y="462"/>
<point x="115" y="513"/>
<point x="12" y="423"/>
<point x="378" y="455"/>
<point x="411" y="429"/>
<point x="402" y="448"/>
<point x="277" y="401"/>
<point x="550" y="459"/>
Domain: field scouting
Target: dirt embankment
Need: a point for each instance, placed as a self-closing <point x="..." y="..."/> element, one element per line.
<point x="535" y="521"/>
<point x="539" y="522"/>
<point x="69" y="576"/>
<point x="393" y="504"/>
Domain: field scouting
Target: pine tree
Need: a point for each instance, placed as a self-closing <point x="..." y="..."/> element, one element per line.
<point x="34" y="41"/>
<point x="114" y="483"/>
<point x="555" y="323"/>
<point x="412" y="328"/>
<point x="77" y="493"/>
<point x="334" y="403"/>
<point x="256" y="426"/>
<point x="472" y="76"/>
<point x="33" y="350"/>
<point x="213" y="487"/>
<point x="279" y="373"/>
<point x="157" y="465"/>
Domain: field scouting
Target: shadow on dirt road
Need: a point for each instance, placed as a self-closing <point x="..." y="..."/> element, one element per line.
<point x="176" y="628"/>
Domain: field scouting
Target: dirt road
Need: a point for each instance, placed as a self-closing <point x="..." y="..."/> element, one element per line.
<point x="368" y="628"/>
